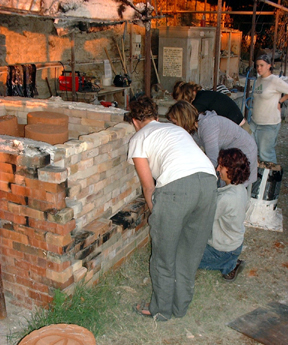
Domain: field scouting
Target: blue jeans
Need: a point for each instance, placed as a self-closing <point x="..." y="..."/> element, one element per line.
<point x="214" y="259"/>
<point x="266" y="138"/>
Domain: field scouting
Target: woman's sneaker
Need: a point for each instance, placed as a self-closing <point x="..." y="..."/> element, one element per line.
<point x="230" y="277"/>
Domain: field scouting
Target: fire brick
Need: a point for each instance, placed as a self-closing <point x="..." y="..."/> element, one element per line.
<point x="60" y="277"/>
<point x="61" y="217"/>
<point x="52" y="174"/>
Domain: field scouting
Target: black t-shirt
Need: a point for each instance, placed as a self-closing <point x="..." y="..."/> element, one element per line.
<point x="221" y="103"/>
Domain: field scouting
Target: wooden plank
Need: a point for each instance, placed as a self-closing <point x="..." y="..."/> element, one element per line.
<point x="268" y="325"/>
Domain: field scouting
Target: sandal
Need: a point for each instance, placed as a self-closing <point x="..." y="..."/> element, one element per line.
<point x="142" y="309"/>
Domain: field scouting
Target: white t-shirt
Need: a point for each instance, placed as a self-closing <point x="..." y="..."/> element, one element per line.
<point x="267" y="93"/>
<point x="171" y="152"/>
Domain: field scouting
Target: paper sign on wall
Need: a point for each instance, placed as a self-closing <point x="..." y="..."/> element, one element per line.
<point x="172" y="62"/>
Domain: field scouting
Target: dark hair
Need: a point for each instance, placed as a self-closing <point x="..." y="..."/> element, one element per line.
<point x="266" y="58"/>
<point x="184" y="114"/>
<point x="143" y="108"/>
<point x="237" y="164"/>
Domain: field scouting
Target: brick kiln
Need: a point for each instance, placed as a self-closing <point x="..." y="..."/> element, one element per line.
<point x="69" y="211"/>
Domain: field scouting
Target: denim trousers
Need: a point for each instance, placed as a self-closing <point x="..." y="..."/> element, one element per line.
<point x="181" y="223"/>
<point x="266" y="139"/>
<point x="214" y="259"/>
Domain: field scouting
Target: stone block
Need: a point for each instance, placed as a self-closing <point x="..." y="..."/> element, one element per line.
<point x="52" y="174"/>
<point x="61" y="217"/>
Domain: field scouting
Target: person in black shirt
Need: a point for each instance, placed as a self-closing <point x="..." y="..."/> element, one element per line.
<point x="208" y="100"/>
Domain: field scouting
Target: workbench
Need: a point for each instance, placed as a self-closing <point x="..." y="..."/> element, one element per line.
<point x="107" y="93"/>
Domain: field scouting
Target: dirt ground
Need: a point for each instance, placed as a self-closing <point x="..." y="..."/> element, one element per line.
<point x="215" y="303"/>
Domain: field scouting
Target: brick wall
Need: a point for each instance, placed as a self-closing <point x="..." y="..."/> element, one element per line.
<point x="67" y="212"/>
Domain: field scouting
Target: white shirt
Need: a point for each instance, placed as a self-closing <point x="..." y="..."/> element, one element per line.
<point x="267" y="93"/>
<point x="171" y="152"/>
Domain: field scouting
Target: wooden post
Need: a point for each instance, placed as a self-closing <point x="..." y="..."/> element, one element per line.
<point x="3" y="312"/>
<point x="275" y="35"/>
<point x="251" y="52"/>
<point x="148" y="56"/>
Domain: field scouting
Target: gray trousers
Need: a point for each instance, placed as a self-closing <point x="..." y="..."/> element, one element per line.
<point x="181" y="223"/>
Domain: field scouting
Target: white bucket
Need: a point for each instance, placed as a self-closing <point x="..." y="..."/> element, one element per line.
<point x="106" y="81"/>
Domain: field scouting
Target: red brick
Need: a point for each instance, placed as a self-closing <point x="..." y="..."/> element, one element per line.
<point x="8" y="277"/>
<point x="36" y="234"/>
<point x="45" y="206"/>
<point x="56" y="197"/>
<point x="14" y="288"/>
<point x="19" y="179"/>
<point x="13" y="235"/>
<point x="16" y="271"/>
<point x="5" y="242"/>
<point x="8" y="158"/>
<point x="38" y="244"/>
<point x="53" y="227"/>
<point x="7" y="168"/>
<point x="6" y="177"/>
<point x="12" y="217"/>
<point x="58" y="267"/>
<point x="26" y="249"/>
<point x="48" y="187"/>
<point x="3" y="205"/>
<point x="57" y="240"/>
<point x="99" y="226"/>
<point x="26" y="211"/>
<point x="55" y="249"/>
<point x="39" y="296"/>
<point x="19" y="190"/>
<point x="5" y="186"/>
<point x="32" y="284"/>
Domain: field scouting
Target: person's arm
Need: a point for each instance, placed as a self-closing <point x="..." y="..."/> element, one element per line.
<point x="146" y="179"/>
<point x="282" y="100"/>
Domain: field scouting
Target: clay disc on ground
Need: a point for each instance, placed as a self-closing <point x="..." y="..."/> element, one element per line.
<point x="47" y="117"/>
<point x="60" y="334"/>
<point x="50" y="134"/>
<point x="9" y="125"/>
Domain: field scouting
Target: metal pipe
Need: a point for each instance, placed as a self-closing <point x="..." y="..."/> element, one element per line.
<point x="251" y="52"/>
<point x="217" y="45"/>
<point x="275" y="34"/>
<point x="73" y="66"/>
<point x="268" y="13"/>
<point x="275" y="5"/>
<point x="147" y="55"/>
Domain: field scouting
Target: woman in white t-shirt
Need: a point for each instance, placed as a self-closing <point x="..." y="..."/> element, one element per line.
<point x="182" y="205"/>
<point x="266" y="118"/>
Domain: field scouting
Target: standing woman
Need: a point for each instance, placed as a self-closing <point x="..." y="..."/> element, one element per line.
<point x="266" y="118"/>
<point x="182" y="206"/>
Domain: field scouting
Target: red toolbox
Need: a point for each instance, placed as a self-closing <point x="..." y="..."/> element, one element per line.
<point x="65" y="81"/>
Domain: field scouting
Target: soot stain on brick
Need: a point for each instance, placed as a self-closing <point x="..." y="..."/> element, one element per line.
<point x="123" y="218"/>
